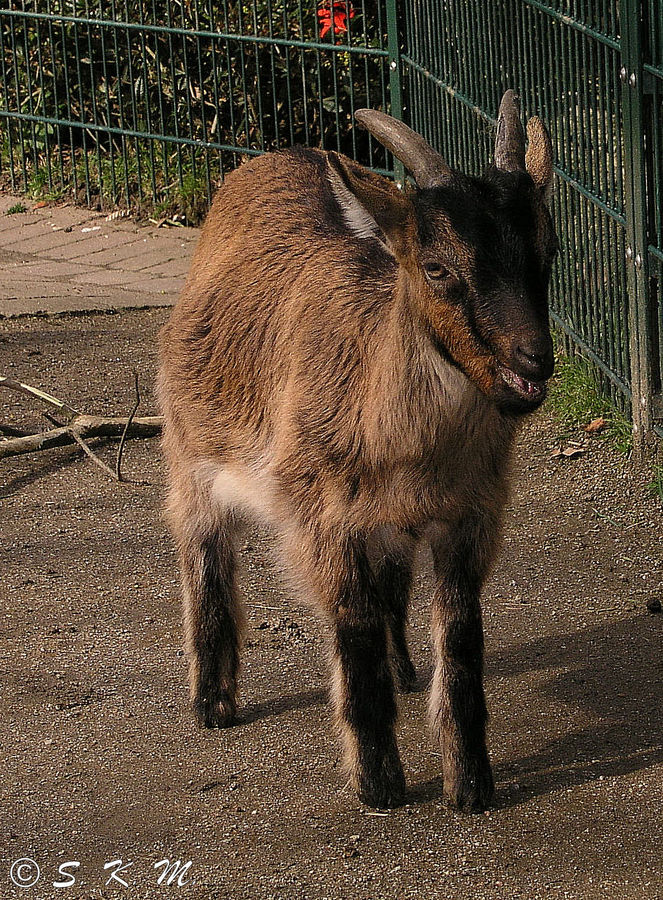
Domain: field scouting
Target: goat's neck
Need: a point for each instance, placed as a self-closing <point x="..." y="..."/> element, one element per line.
<point x="420" y="399"/>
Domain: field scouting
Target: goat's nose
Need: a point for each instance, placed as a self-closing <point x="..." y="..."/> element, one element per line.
<point x="535" y="360"/>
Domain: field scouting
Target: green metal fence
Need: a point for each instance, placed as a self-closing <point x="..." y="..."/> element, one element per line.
<point x="593" y="71"/>
<point x="128" y="101"/>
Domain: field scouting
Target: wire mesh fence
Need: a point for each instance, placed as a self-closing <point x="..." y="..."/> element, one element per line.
<point x="652" y="69"/>
<point x="147" y="103"/>
<point x="126" y="101"/>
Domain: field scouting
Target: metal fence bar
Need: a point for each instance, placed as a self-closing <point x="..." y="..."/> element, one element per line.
<point x="640" y="338"/>
<point x="237" y="38"/>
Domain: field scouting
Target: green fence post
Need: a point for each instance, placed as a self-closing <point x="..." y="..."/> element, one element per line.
<point x="640" y="313"/>
<point x="395" y="76"/>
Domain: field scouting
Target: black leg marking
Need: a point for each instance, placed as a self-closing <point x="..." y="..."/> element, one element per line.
<point x="457" y="706"/>
<point x="213" y="622"/>
<point x="395" y="578"/>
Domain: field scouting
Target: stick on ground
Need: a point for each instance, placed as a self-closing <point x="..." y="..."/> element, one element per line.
<point x="120" y="449"/>
<point x="68" y="411"/>
<point x="76" y="428"/>
<point x="85" y="427"/>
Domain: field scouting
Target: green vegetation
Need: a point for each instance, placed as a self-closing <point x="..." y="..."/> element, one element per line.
<point x="39" y="187"/>
<point x="110" y="97"/>
<point x="577" y="400"/>
<point x="16" y="208"/>
<point x="656" y="484"/>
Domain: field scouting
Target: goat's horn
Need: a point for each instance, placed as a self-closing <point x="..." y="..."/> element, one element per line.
<point x="414" y="151"/>
<point x="510" y="140"/>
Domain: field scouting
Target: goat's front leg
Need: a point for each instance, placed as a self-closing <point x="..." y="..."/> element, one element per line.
<point x="457" y="703"/>
<point x="363" y="690"/>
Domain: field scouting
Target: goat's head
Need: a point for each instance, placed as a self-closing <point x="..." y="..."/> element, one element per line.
<point x="475" y="254"/>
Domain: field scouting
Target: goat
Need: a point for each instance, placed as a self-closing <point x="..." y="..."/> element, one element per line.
<point x="349" y="362"/>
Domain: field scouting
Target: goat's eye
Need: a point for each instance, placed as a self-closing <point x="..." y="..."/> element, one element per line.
<point x="435" y="271"/>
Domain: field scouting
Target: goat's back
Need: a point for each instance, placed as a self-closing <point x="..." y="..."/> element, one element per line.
<point x="278" y="286"/>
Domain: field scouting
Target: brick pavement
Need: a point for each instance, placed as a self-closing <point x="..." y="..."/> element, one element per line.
<point x="63" y="258"/>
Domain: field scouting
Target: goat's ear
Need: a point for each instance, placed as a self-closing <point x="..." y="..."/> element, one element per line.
<point x="371" y="205"/>
<point x="538" y="160"/>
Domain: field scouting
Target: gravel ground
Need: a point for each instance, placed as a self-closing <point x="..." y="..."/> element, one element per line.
<point x="100" y="757"/>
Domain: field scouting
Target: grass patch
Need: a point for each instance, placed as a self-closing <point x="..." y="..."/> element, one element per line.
<point x="38" y="188"/>
<point x="188" y="200"/>
<point x="576" y="400"/>
<point x="16" y="208"/>
<point x="655" y="486"/>
<point x="146" y="183"/>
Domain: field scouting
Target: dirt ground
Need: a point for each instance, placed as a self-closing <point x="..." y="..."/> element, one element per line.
<point x="100" y="757"/>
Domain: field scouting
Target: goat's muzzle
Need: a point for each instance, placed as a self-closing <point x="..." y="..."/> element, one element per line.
<point x="524" y="366"/>
<point x="518" y="394"/>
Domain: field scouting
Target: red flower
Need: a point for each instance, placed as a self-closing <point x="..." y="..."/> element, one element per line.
<point x="334" y="12"/>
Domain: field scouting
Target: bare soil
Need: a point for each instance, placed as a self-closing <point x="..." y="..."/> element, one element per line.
<point x="101" y="760"/>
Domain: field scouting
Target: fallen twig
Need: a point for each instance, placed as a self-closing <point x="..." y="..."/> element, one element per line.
<point x="13" y="385"/>
<point x="607" y="518"/>
<point x="262" y="606"/>
<point x="93" y="456"/>
<point x="85" y="427"/>
<point x="120" y="449"/>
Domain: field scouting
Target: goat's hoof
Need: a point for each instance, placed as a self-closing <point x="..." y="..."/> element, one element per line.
<point x="406" y="676"/>
<point x="472" y="791"/>
<point x="218" y="713"/>
<point x="383" y="790"/>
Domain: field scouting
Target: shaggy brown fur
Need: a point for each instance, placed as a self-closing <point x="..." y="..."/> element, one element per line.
<point x="350" y="363"/>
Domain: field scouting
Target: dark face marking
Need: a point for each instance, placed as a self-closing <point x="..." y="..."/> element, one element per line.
<point x="487" y="247"/>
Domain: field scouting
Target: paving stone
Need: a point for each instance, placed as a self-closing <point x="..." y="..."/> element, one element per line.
<point x="108" y="276"/>
<point x="117" y="255"/>
<point x="44" y="221"/>
<point x="82" y="298"/>
<point x="7" y="201"/>
<point x="13" y="288"/>
<point x="85" y="248"/>
<point x="165" y="286"/>
<point x="153" y="257"/>
<point x="45" y="268"/>
<point x="23" y="232"/>
<point x="42" y="244"/>
<point x="174" y="268"/>
<point x="16" y="220"/>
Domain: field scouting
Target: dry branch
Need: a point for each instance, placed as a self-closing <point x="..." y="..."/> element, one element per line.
<point x="93" y="456"/>
<point x="84" y="427"/>
<point x="68" y="411"/>
<point x="120" y="449"/>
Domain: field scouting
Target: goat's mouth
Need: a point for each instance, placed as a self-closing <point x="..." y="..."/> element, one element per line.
<point x="531" y="392"/>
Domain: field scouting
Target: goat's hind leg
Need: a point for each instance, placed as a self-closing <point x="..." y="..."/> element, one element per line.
<point x="213" y="614"/>
<point x="394" y="574"/>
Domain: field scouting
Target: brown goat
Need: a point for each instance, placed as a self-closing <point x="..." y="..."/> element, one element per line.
<point x="350" y="363"/>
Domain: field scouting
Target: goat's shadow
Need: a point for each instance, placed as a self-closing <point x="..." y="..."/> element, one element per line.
<point x="613" y="674"/>
<point x="610" y="672"/>
<point x="277" y="706"/>
<point x="266" y="709"/>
